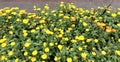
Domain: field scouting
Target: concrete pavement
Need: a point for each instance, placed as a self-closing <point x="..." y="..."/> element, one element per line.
<point x="28" y="4"/>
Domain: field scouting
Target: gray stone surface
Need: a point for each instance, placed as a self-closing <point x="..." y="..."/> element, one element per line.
<point x="28" y="5"/>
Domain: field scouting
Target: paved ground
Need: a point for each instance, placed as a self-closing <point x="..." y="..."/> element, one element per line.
<point x="28" y="4"/>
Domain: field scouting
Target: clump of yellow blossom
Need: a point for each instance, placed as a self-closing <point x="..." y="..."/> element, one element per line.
<point x="47" y="49"/>
<point x="3" y="40"/>
<point x="25" y="21"/>
<point x="12" y="43"/>
<point x="4" y="44"/>
<point x="80" y="48"/>
<point x="25" y="53"/>
<point x="117" y="52"/>
<point x="44" y="56"/>
<point x="69" y="59"/>
<point x="27" y="44"/>
<point x="84" y="55"/>
<point x="96" y="40"/>
<point x="10" y="53"/>
<point x="81" y="37"/>
<point x="51" y="44"/>
<point x="48" y="31"/>
<point x="103" y="52"/>
<point x="60" y="47"/>
<point x="35" y="52"/>
<point x="33" y="59"/>
<point x="113" y="15"/>
<point x="94" y="53"/>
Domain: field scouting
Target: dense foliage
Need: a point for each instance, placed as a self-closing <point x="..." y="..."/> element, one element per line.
<point x="65" y="34"/>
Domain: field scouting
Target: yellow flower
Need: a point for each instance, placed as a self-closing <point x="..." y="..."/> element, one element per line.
<point x="24" y="31"/>
<point x="75" y="57"/>
<point x="69" y="59"/>
<point x="96" y="20"/>
<point x="80" y="21"/>
<point x="108" y="11"/>
<point x="73" y="18"/>
<point x="10" y="32"/>
<point x="14" y="8"/>
<point x="25" y="53"/>
<point x="119" y="40"/>
<point x="40" y="26"/>
<point x="18" y="20"/>
<point x="44" y="56"/>
<point x="113" y="15"/>
<point x="14" y="13"/>
<point x="47" y="49"/>
<point x="3" y="45"/>
<point x="16" y="60"/>
<point x="11" y="27"/>
<point x="24" y="60"/>
<point x="48" y="31"/>
<point x="66" y="17"/>
<point x="84" y="55"/>
<point x="44" y="44"/>
<point x="117" y="52"/>
<point x="61" y="4"/>
<point x="22" y="11"/>
<point x="80" y="48"/>
<point x="35" y="52"/>
<point x="27" y="44"/>
<point x="88" y="40"/>
<point x="90" y="60"/>
<point x="73" y="41"/>
<point x="12" y="43"/>
<point x="37" y="28"/>
<point x="73" y="25"/>
<point x="59" y="47"/>
<point x="60" y="15"/>
<point x="67" y="31"/>
<point x="60" y="35"/>
<point x="55" y="58"/>
<point x="9" y="17"/>
<point x="34" y="7"/>
<point x="87" y="30"/>
<point x="33" y="31"/>
<point x="118" y="13"/>
<point x="42" y="21"/>
<point x="51" y="44"/>
<point x="83" y="42"/>
<point x="33" y="59"/>
<point x="70" y="29"/>
<point x="93" y="48"/>
<point x="81" y="37"/>
<point x="8" y="11"/>
<point x="96" y="40"/>
<point x="43" y="61"/>
<point x="118" y="24"/>
<point x="85" y="24"/>
<point x="10" y="53"/>
<point x="100" y="18"/>
<point x="93" y="53"/>
<point x="25" y="34"/>
<point x="46" y="6"/>
<point x="2" y="58"/>
<point x="103" y="52"/>
<point x="66" y="39"/>
<point x="25" y="21"/>
<point x="3" y="40"/>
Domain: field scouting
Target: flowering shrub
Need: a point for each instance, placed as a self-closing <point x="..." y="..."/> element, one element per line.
<point x="66" y="34"/>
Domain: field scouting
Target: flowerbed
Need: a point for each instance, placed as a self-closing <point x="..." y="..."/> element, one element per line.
<point x="66" y="34"/>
